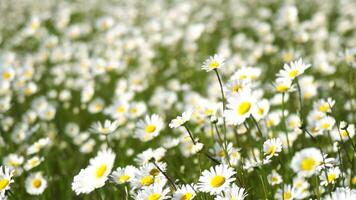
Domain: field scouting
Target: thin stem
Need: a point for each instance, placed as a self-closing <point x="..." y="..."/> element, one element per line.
<point x="164" y="173"/>
<point x="257" y="126"/>
<point x="194" y="142"/>
<point x="223" y="101"/>
<point x="190" y="134"/>
<point x="284" y="124"/>
<point x="223" y="145"/>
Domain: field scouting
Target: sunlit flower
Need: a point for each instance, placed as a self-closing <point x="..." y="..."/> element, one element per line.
<point x="216" y="179"/>
<point x="213" y="62"/>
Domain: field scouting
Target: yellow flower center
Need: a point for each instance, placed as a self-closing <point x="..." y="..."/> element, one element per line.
<point x="331" y="177"/>
<point x="4" y="183"/>
<point x="293" y="73"/>
<point x="120" y="109"/>
<point x="274" y="179"/>
<point x="154" y="196"/>
<point x="260" y="111"/>
<point x="217" y="181"/>
<point x="187" y="196"/>
<point x="282" y="88"/>
<point x="36" y="183"/>
<point x="271" y="150"/>
<point x="324" y="108"/>
<point x="214" y="64"/>
<point x="154" y="172"/>
<point x="6" y="75"/>
<point x="325" y="125"/>
<point x="349" y="58"/>
<point x="287" y="57"/>
<point x="101" y="171"/>
<point x="287" y="195"/>
<point x="150" y="128"/>
<point x="236" y="88"/>
<point x="343" y="133"/>
<point x="308" y="164"/>
<point x="353" y="180"/>
<point x="133" y="110"/>
<point x="124" y="178"/>
<point x="221" y="153"/>
<point x="147" y="180"/>
<point x="244" y="107"/>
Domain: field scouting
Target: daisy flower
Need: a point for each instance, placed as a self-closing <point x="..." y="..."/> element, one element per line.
<point x="345" y="132"/>
<point x="261" y="109"/>
<point x="284" y="85"/>
<point x="332" y="175"/>
<point x="216" y="180"/>
<point x="293" y="69"/>
<point x="213" y="62"/>
<point x="288" y="193"/>
<point x="154" y="192"/>
<point x="323" y="105"/>
<point x="325" y="124"/>
<point x="306" y="161"/>
<point x="239" y="108"/>
<point x="33" y="162"/>
<point x="180" y="120"/>
<point x="35" y="183"/>
<point x="272" y="147"/>
<point x="233" y="192"/>
<point x="342" y="193"/>
<point x="234" y="86"/>
<point x="96" y="174"/>
<point x="14" y="161"/>
<point x="149" y="128"/>
<point x="147" y="155"/>
<point x="123" y="175"/>
<point x="104" y="129"/>
<point x="274" y="178"/>
<point x="5" y="180"/>
<point x="184" y="192"/>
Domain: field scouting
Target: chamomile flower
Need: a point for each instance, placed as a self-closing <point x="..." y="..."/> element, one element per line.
<point x="147" y="155"/>
<point x="234" y="192"/>
<point x="96" y="174"/>
<point x="14" y="161"/>
<point x="342" y="193"/>
<point x="239" y="108"/>
<point x="332" y="175"/>
<point x="293" y="69"/>
<point x="154" y="192"/>
<point x="149" y="128"/>
<point x="272" y="147"/>
<point x="236" y="85"/>
<point x="213" y="62"/>
<point x="104" y="129"/>
<point x="326" y="123"/>
<point x="216" y="179"/>
<point x="184" y="192"/>
<point x="306" y="161"/>
<point x="283" y="85"/>
<point x="261" y="109"/>
<point x="180" y="120"/>
<point x="288" y="193"/>
<point x="5" y="180"/>
<point x="123" y="175"/>
<point x="343" y="133"/>
<point x="33" y="162"/>
<point x="35" y="183"/>
<point x="274" y="178"/>
<point x="323" y="105"/>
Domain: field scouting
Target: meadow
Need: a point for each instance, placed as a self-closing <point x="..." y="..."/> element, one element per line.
<point x="177" y="99"/>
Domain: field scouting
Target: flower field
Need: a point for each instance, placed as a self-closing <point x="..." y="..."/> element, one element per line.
<point x="177" y="99"/>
